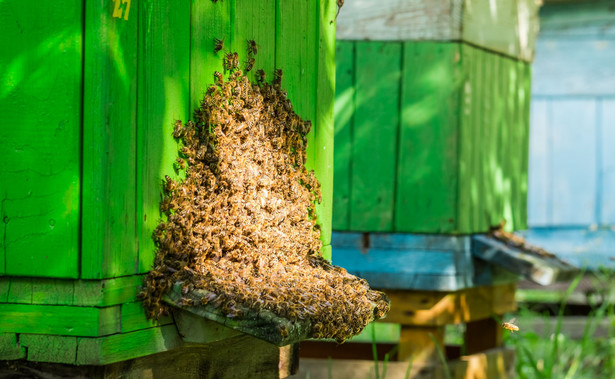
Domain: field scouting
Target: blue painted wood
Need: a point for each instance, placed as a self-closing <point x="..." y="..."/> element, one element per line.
<point x="607" y="160"/>
<point x="586" y="19"/>
<point x="414" y="261"/>
<point x="581" y="247"/>
<point x="539" y="209"/>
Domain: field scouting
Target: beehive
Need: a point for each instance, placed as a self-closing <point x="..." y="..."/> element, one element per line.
<point x="432" y="115"/>
<point x="92" y="91"/>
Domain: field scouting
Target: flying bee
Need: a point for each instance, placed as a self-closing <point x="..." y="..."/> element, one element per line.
<point x="250" y="64"/>
<point x="260" y="75"/>
<point x="510" y="325"/>
<point x="218" y="45"/>
<point x="252" y="47"/>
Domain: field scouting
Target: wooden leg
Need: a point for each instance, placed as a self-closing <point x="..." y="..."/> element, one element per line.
<point x="417" y="343"/>
<point x="482" y="335"/>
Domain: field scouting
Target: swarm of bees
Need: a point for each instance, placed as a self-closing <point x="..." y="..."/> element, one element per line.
<point x="242" y="224"/>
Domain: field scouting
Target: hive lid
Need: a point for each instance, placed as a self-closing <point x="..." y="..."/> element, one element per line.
<point x="514" y="255"/>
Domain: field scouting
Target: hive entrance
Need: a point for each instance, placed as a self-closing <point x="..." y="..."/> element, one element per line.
<point x="241" y="228"/>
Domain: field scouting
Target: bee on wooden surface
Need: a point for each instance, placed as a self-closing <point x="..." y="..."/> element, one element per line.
<point x="180" y="164"/>
<point x="178" y="130"/>
<point x="250" y="64"/>
<point x="252" y="47"/>
<point x="260" y="75"/>
<point x="277" y="76"/>
<point x="169" y="184"/>
<point x="219" y="78"/>
<point x="510" y="325"/>
<point x="218" y="45"/>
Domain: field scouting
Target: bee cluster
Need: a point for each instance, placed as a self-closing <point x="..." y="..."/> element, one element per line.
<point x="242" y="224"/>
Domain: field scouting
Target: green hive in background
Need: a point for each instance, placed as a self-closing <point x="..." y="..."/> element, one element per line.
<point x="89" y="96"/>
<point x="430" y="137"/>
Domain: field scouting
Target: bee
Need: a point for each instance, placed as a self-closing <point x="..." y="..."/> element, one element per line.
<point x="178" y="131"/>
<point x="260" y="75"/>
<point x="252" y="47"/>
<point x="218" y="78"/>
<point x="249" y="64"/>
<point x="510" y="325"/>
<point x="218" y="45"/>
<point x="277" y="76"/>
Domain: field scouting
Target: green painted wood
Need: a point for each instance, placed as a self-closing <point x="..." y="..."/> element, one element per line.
<point x="5" y="284"/>
<point x="254" y="20"/>
<point x="525" y="98"/>
<point x="296" y="55"/>
<point x="134" y="318"/>
<point x="326" y="252"/>
<point x="109" y="245"/>
<point x="44" y="348"/>
<point x="324" y="127"/>
<point x="20" y="291"/>
<point x="164" y="68"/>
<point x="374" y="133"/>
<point x="208" y="21"/>
<point x="53" y="291"/>
<point x="9" y="348"/>
<point x="59" y="320"/>
<point x="107" y="292"/>
<point x="344" y="111"/>
<point x="120" y="347"/>
<point x="426" y="197"/>
<point x="40" y="99"/>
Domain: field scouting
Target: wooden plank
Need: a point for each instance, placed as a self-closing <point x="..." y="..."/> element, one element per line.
<point x="481" y="335"/>
<point x="420" y="344"/>
<point x="20" y="291"/>
<point x="133" y="318"/>
<point x="587" y="20"/>
<point x="59" y="319"/>
<point x="585" y="63"/>
<point x="433" y="308"/>
<point x="9" y="348"/>
<point x="5" y="283"/>
<point x="40" y="101"/>
<point x="164" y="68"/>
<point x="53" y="291"/>
<point x="254" y="21"/>
<point x="297" y="56"/>
<point x="419" y="241"/>
<point x="107" y="292"/>
<point x="120" y="347"/>
<point x="374" y="133"/>
<point x="538" y="180"/>
<point x="324" y="124"/>
<point x="196" y="329"/>
<point x="344" y="116"/>
<point x="524" y="96"/>
<point x="208" y="21"/>
<point x="109" y="142"/>
<point x="607" y="132"/>
<point x="427" y="175"/>
<point x="45" y="348"/>
<point x="400" y="20"/>
<point x="573" y="180"/>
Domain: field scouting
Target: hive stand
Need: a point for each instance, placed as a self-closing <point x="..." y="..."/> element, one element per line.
<point x="93" y="91"/>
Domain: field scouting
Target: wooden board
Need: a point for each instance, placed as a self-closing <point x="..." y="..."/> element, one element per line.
<point x="133" y="318"/>
<point x="433" y="308"/>
<point x="374" y="135"/>
<point x="40" y="100"/>
<point x="59" y="320"/>
<point x="507" y="27"/>
<point x="163" y="81"/>
<point x="45" y="348"/>
<point x="344" y="117"/>
<point x="109" y="246"/>
<point x="9" y="348"/>
<point x="428" y="139"/>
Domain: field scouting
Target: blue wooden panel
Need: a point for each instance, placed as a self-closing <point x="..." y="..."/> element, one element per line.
<point x="538" y="212"/>
<point x="418" y="241"/>
<point x="572" y="131"/>
<point x="574" y="67"/>
<point x="607" y="161"/>
<point x="347" y="239"/>
<point x="585" y="19"/>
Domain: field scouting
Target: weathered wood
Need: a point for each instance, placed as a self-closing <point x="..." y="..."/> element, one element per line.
<point x="264" y="325"/>
<point x="375" y="128"/>
<point x="542" y="269"/>
<point x="507" y="27"/>
<point x="107" y="292"/>
<point x="9" y="348"/>
<point x="432" y="308"/>
<point x="45" y="348"/>
<point x="421" y="344"/>
<point x="163" y="82"/>
<point x="59" y="319"/>
<point x="40" y="101"/>
<point x="344" y="114"/>
<point x="109" y="142"/>
<point x="196" y="329"/>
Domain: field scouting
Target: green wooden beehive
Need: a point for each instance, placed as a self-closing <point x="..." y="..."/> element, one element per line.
<point x="432" y="115"/>
<point x="90" y="91"/>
